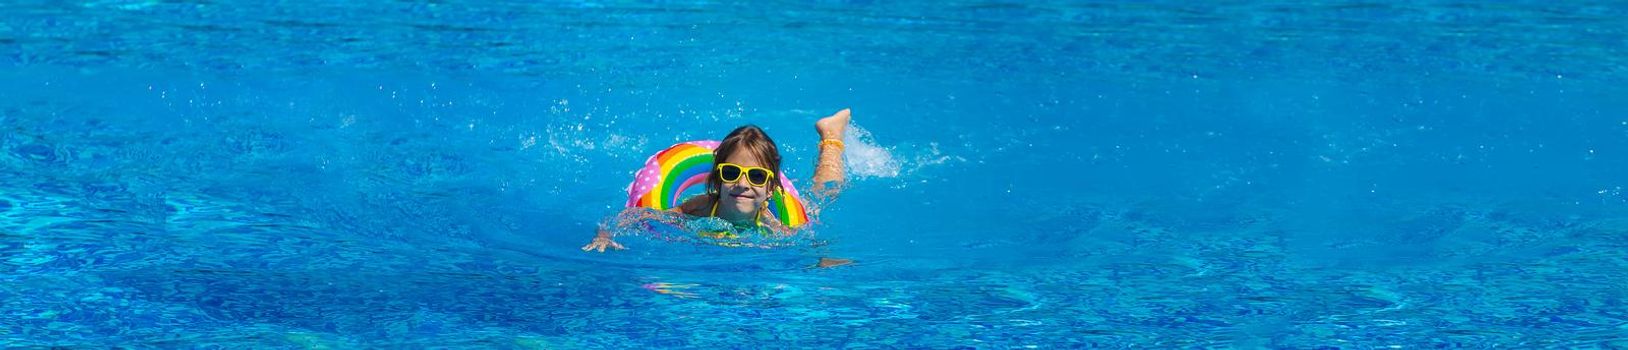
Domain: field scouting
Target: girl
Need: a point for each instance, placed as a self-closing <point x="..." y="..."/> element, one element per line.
<point x="744" y="168"/>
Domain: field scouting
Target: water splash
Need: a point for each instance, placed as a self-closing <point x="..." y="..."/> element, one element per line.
<point x="865" y="159"/>
<point x="706" y="231"/>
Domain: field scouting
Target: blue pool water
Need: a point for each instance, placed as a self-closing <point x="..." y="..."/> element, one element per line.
<point x="375" y="174"/>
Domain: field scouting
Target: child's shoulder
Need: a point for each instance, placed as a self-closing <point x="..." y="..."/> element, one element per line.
<point x="696" y="206"/>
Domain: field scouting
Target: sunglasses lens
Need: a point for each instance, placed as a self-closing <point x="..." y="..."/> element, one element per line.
<point x="758" y="177"/>
<point x="729" y="173"/>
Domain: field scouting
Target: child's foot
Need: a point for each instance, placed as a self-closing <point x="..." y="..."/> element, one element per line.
<point x="832" y="127"/>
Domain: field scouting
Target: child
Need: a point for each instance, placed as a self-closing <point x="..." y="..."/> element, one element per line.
<point x="744" y="168"/>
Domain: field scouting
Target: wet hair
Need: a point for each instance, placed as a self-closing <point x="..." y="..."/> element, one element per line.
<point x="757" y="144"/>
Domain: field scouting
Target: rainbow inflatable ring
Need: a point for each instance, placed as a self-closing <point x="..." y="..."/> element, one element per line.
<point x="668" y="173"/>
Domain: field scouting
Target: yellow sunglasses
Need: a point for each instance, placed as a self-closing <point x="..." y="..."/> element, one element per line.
<point x="731" y="172"/>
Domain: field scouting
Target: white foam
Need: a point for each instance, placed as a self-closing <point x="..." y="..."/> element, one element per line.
<point x="864" y="158"/>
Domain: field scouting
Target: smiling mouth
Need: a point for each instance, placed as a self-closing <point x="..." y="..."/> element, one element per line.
<point x="744" y="196"/>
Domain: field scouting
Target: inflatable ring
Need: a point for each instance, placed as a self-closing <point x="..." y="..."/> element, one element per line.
<point x="665" y="176"/>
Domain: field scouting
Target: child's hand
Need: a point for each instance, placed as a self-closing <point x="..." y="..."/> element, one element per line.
<point x="601" y="242"/>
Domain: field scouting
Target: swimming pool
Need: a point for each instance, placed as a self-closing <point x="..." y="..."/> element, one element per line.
<point x="381" y="174"/>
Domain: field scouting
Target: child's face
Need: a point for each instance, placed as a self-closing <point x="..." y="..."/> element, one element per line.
<point x="740" y="194"/>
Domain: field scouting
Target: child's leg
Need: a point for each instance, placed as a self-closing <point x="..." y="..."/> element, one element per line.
<point x="829" y="175"/>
